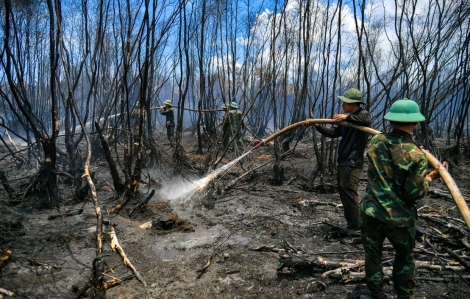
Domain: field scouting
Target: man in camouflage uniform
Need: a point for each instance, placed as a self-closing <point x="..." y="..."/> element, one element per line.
<point x="236" y="120"/>
<point x="350" y="154"/>
<point x="135" y="121"/>
<point x="396" y="179"/>
<point x="167" y="110"/>
<point x="225" y="123"/>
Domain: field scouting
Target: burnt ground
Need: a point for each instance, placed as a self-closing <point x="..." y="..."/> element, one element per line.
<point x="52" y="257"/>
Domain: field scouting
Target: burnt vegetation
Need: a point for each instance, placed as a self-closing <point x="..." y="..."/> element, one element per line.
<point x="85" y="163"/>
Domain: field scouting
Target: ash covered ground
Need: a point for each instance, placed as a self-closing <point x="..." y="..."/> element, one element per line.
<point x="174" y="236"/>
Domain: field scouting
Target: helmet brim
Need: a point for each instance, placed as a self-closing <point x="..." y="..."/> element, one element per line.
<point x="405" y="117"/>
<point x="349" y="101"/>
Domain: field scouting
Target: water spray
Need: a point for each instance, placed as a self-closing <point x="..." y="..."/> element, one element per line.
<point x="445" y="175"/>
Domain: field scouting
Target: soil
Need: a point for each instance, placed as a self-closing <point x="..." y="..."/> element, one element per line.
<point x="178" y="232"/>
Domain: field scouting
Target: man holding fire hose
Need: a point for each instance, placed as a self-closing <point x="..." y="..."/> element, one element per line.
<point x="396" y="179"/>
<point x="233" y="118"/>
<point x="167" y="110"/>
<point x="350" y="153"/>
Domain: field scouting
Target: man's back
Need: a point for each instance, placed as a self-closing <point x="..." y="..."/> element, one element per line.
<point x="235" y="118"/>
<point x="397" y="167"/>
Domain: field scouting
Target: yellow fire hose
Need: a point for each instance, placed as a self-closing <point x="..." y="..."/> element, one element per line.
<point x="445" y="175"/>
<point x="189" y="109"/>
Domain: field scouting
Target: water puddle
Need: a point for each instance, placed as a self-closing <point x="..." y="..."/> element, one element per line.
<point x="240" y="210"/>
<point x="238" y="240"/>
<point x="178" y="246"/>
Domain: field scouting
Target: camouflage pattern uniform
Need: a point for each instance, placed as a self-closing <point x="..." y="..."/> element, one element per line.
<point x="236" y="118"/>
<point x="226" y="132"/>
<point x="396" y="179"/>
<point x="135" y="121"/>
<point x="170" y="123"/>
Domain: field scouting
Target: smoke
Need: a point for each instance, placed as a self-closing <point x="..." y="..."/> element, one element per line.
<point x="183" y="192"/>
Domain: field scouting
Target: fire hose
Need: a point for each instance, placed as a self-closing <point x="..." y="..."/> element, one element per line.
<point x="445" y="175"/>
<point x="189" y="109"/>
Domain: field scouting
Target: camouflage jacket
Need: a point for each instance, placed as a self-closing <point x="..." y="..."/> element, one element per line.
<point x="236" y="118"/>
<point x="170" y="116"/>
<point x="396" y="179"/>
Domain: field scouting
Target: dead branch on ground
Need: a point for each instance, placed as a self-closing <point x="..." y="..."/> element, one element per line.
<point x="201" y="271"/>
<point x="117" y="247"/>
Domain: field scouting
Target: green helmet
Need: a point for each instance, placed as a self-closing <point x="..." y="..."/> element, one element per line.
<point x="351" y="95"/>
<point x="167" y="102"/>
<point x="234" y="105"/>
<point x="405" y="111"/>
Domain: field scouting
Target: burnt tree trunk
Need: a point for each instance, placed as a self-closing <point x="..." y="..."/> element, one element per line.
<point x="118" y="185"/>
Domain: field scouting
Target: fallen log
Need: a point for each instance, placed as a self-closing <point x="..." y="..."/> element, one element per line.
<point x="317" y="263"/>
<point x="340" y="270"/>
<point x="344" y="274"/>
<point x="298" y="261"/>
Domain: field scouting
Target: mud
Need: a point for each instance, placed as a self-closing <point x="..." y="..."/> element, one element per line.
<point x="176" y="234"/>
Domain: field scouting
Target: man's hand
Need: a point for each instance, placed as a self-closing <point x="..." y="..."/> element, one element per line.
<point x="434" y="175"/>
<point x="161" y="107"/>
<point x="340" y="117"/>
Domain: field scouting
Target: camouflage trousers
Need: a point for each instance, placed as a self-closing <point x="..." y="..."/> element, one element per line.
<point x="239" y="141"/>
<point x="227" y="135"/>
<point x="170" y="134"/>
<point x="348" y="182"/>
<point x="374" y="233"/>
<point x="226" y="138"/>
